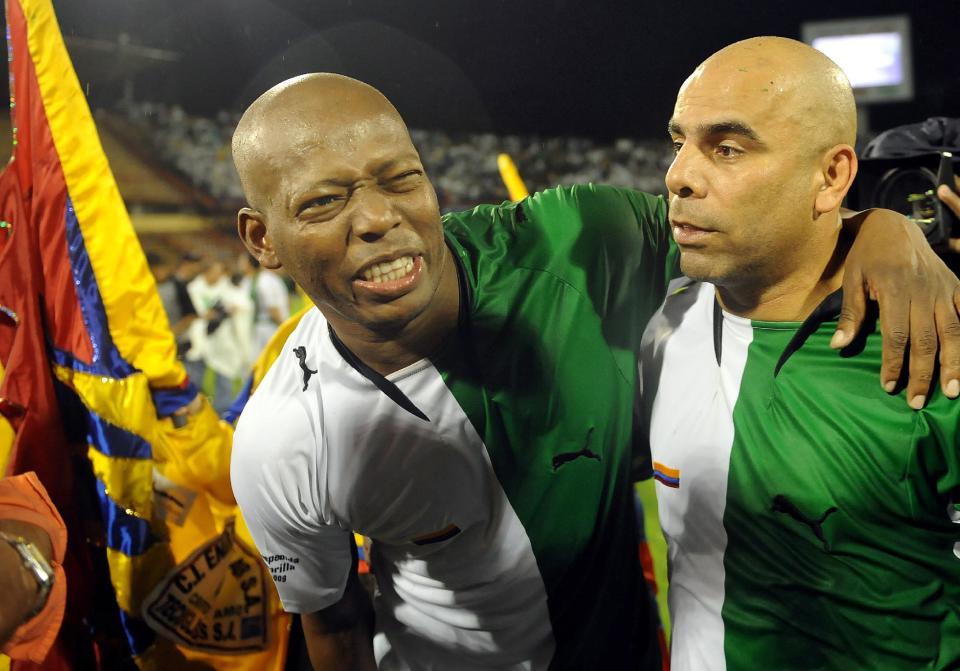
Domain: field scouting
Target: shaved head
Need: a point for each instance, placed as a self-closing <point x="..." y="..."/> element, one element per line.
<point x="808" y="90"/>
<point x="764" y="132"/>
<point x="337" y="191"/>
<point x="314" y="108"/>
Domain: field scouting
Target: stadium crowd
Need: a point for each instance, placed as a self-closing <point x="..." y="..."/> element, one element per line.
<point x="463" y="166"/>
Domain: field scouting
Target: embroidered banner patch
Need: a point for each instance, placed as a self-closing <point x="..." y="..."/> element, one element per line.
<point x="215" y="600"/>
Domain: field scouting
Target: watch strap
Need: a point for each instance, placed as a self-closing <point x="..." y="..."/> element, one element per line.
<point x="36" y="564"/>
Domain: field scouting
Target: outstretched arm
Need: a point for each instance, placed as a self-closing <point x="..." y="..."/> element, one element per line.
<point x="919" y="297"/>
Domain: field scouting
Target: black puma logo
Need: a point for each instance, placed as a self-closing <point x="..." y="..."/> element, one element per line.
<point x="781" y="504"/>
<point x="564" y="457"/>
<point x="301" y="353"/>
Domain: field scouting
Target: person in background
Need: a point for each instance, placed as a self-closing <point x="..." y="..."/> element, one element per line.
<point x="272" y="301"/>
<point x="172" y="287"/>
<point x="162" y="271"/>
<point x="218" y="338"/>
<point x="33" y="540"/>
<point x="243" y="279"/>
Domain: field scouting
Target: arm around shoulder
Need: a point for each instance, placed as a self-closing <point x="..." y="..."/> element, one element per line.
<point x="919" y="299"/>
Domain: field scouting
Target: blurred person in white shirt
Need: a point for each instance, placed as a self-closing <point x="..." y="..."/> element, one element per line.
<point x="220" y="338"/>
<point x="272" y="304"/>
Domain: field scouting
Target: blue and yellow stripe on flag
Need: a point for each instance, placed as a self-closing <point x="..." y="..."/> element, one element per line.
<point x="77" y="299"/>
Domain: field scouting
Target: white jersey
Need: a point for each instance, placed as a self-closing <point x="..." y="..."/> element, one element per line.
<point x="304" y="482"/>
<point x="494" y="478"/>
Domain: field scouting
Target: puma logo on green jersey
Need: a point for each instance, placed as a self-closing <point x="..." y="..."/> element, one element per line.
<point x="781" y="504"/>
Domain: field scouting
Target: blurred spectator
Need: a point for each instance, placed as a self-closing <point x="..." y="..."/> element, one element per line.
<point x="206" y="292"/>
<point x="33" y="540"/>
<point x="218" y="338"/>
<point x="272" y="303"/>
<point x="243" y="280"/>
<point x="172" y="287"/>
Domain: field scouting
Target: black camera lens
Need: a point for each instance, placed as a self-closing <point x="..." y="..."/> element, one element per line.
<point x="911" y="192"/>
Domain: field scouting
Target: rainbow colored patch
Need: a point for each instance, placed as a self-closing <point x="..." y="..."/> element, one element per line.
<point x="665" y="475"/>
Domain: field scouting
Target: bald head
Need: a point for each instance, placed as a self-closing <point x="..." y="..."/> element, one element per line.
<point x="763" y="132"/>
<point x="798" y="83"/>
<point x="312" y="109"/>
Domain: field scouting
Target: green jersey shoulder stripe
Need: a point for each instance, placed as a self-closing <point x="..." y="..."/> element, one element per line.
<point x="812" y="521"/>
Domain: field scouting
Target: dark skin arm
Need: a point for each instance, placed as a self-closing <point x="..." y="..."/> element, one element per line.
<point x="919" y="297"/>
<point x="341" y="636"/>
<point x="17" y="584"/>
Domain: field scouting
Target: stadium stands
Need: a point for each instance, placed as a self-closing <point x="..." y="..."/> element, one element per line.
<point x="463" y="167"/>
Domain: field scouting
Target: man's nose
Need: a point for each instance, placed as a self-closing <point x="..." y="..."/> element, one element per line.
<point x="374" y="214"/>
<point x="684" y="178"/>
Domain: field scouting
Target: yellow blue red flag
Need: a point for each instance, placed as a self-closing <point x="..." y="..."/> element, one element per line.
<point x="159" y="565"/>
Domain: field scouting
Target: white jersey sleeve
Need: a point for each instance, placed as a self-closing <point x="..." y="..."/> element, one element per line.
<point x="278" y="474"/>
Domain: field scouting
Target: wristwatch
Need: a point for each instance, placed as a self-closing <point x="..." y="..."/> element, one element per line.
<point x="38" y="566"/>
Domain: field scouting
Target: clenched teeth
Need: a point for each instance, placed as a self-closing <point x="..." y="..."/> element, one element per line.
<point x="389" y="271"/>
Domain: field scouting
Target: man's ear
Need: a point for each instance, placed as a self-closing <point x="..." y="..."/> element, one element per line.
<point x="838" y="169"/>
<point x="252" y="227"/>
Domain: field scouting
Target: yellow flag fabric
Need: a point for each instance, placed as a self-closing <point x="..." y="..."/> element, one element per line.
<point x="188" y="582"/>
<point x="511" y="178"/>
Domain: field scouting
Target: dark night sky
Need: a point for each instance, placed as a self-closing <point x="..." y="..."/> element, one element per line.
<point x="600" y="69"/>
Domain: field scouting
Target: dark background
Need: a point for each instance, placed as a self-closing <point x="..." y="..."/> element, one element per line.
<point x="572" y="67"/>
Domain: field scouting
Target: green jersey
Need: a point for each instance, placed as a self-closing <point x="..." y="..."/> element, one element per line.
<point x="811" y="517"/>
<point x="494" y="477"/>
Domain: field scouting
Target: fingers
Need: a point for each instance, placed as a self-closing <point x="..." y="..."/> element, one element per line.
<point x="895" y="330"/>
<point x="852" y="310"/>
<point x="923" y="352"/>
<point x="948" y="330"/>
<point x="950" y="197"/>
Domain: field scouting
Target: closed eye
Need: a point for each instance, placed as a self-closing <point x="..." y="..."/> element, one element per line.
<point x="319" y="202"/>
<point x="405" y="181"/>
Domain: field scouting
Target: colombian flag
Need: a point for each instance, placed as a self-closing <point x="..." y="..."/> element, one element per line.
<point x="159" y="565"/>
